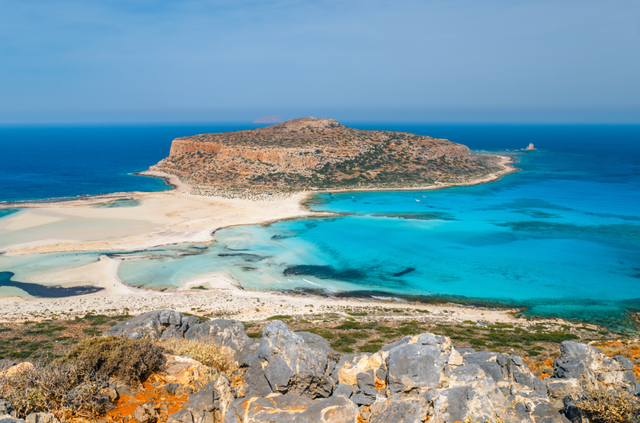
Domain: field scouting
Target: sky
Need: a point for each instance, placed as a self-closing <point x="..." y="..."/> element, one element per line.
<point x="402" y="60"/>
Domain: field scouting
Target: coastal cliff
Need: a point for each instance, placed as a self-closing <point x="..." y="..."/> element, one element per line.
<point x="321" y="153"/>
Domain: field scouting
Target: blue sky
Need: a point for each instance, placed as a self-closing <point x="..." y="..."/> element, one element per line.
<point x="208" y="60"/>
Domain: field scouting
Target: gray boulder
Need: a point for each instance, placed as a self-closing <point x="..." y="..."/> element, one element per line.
<point x="182" y="416"/>
<point x="154" y="325"/>
<point x="558" y="389"/>
<point x="291" y="365"/>
<point x="593" y="369"/>
<point x="145" y="413"/>
<point x="213" y="400"/>
<point x="9" y="419"/>
<point x="419" y="362"/>
<point x="229" y="335"/>
<point x="537" y="407"/>
<point x="177" y="389"/>
<point x="5" y="408"/>
<point x="292" y="408"/>
<point x="470" y="394"/>
<point x="398" y="411"/>
<point x="508" y="371"/>
<point x="42" y="418"/>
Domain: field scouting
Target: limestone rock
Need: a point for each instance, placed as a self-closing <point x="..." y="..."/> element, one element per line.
<point x="292" y="408"/>
<point x="187" y="371"/>
<point x="530" y="147"/>
<point x="228" y="335"/>
<point x="9" y="419"/>
<point x="154" y="325"/>
<point x="292" y="366"/>
<point x="558" y="389"/>
<point x="508" y="371"/>
<point x="182" y="416"/>
<point x="470" y="394"/>
<point x="5" y="408"/>
<point x="351" y="366"/>
<point x="397" y="411"/>
<point x="177" y="389"/>
<point x="418" y="362"/>
<point x="42" y="418"/>
<point x="145" y="413"/>
<point x="593" y="368"/>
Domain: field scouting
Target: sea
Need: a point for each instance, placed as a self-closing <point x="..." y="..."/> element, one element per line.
<point x="559" y="238"/>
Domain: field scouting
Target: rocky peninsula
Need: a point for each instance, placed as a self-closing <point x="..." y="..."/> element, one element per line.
<point x="313" y="154"/>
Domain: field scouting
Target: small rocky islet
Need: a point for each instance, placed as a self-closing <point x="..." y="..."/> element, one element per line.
<point x="287" y="376"/>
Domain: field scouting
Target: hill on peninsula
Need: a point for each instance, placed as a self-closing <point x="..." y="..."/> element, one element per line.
<point x="310" y="153"/>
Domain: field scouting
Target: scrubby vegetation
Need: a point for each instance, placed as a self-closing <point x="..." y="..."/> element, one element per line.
<point x="65" y="389"/>
<point x="608" y="406"/>
<point x="51" y="338"/>
<point x="131" y="361"/>
<point x="77" y="384"/>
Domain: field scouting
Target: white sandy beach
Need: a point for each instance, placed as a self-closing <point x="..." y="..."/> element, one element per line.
<point x="164" y="218"/>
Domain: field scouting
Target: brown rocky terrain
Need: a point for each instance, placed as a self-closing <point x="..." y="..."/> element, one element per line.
<point x="321" y="153"/>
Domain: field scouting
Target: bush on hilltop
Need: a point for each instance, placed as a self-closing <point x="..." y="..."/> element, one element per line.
<point x="128" y="360"/>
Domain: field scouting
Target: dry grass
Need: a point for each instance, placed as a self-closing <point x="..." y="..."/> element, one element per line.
<point x="631" y="350"/>
<point x="542" y="365"/>
<point x="605" y="406"/>
<point x="206" y="353"/>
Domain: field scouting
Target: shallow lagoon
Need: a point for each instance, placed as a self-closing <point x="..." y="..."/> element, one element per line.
<point x="562" y="237"/>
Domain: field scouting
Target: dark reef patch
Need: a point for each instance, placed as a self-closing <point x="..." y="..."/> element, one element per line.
<point x="43" y="291"/>
<point x="528" y="203"/>
<point x="251" y="258"/>
<point x="324" y="272"/>
<point x="537" y="214"/>
<point x="615" y="231"/>
<point x="404" y="272"/>
<point x="418" y="215"/>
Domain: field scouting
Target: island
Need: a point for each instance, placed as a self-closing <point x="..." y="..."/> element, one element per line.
<point x="315" y="154"/>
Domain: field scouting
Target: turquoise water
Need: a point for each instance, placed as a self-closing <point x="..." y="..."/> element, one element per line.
<point x="7" y="212"/>
<point x="561" y="237"/>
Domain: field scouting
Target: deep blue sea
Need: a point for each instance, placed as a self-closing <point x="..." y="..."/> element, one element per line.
<point x="41" y="162"/>
<point x="561" y="237"/>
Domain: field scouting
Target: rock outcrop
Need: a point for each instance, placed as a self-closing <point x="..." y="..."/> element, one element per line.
<point x="297" y="377"/>
<point x="321" y="153"/>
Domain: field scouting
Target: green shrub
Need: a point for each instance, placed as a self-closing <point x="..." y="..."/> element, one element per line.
<point x="131" y="361"/>
<point x="279" y="317"/>
<point x="349" y="326"/>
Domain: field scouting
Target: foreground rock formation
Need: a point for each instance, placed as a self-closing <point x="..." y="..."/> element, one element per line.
<point x="297" y="377"/>
<point x="321" y="153"/>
